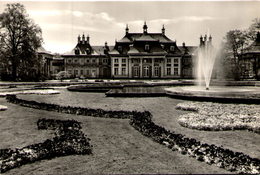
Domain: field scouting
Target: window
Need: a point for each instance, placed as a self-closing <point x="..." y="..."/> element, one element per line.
<point x="69" y="61"/>
<point x="157" y="71"/>
<point x="88" y="51"/>
<point x="123" y="60"/>
<point x="104" y="60"/>
<point x="147" y="48"/>
<point x="88" y="72"/>
<point x="123" y="71"/>
<point x="93" y="61"/>
<point x="171" y="48"/>
<point x="93" y="73"/>
<point x="76" y="60"/>
<point x="157" y="60"/>
<point x="120" y="48"/>
<point x="176" y="71"/>
<point x="168" y="60"/>
<point x="70" y="71"/>
<point x="136" y="71"/>
<point x="146" y="71"/>
<point x="116" y="71"/>
<point x="168" y="71"/>
<point x="176" y="62"/>
<point x="87" y="60"/>
<point x="81" y="60"/>
<point x="76" y="52"/>
<point x="123" y="65"/>
<point x="76" y="72"/>
<point x="116" y="65"/>
<point x="116" y="60"/>
<point x="81" y="72"/>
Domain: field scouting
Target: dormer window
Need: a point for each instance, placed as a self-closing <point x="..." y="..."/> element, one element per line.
<point x="120" y="48"/>
<point x="147" y="47"/>
<point x="88" y="51"/>
<point x="172" y="48"/>
<point x="76" y="51"/>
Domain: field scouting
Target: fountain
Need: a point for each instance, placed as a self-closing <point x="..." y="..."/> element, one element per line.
<point x="204" y="64"/>
<point x="205" y="61"/>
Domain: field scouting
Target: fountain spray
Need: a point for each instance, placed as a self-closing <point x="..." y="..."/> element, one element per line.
<point x="205" y="60"/>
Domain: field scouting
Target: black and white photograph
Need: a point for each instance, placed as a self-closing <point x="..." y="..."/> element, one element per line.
<point x="129" y="87"/>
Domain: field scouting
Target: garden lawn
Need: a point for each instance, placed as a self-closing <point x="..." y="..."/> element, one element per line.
<point x="164" y="114"/>
<point x="117" y="147"/>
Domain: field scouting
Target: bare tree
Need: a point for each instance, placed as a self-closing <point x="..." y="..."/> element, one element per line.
<point x="20" y="38"/>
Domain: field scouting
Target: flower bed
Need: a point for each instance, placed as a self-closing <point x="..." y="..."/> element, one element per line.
<point x="211" y="154"/>
<point x="72" y="110"/>
<point x="3" y="108"/>
<point x="68" y="140"/>
<point x="216" y="116"/>
<point x="142" y="121"/>
<point x="36" y="91"/>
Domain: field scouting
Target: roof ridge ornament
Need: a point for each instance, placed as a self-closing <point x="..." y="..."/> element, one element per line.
<point x="145" y="28"/>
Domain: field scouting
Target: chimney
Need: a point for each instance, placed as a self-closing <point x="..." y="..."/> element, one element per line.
<point x="183" y="44"/>
<point x="201" y="40"/>
<point x="205" y="38"/>
<point x="78" y="39"/>
<point x="88" y="39"/>
<point x="83" y="39"/>
<point x="163" y="30"/>
<point x="210" y="39"/>
<point x="126" y="29"/>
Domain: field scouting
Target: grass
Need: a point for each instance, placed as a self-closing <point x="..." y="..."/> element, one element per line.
<point x="117" y="147"/>
<point x="164" y="114"/>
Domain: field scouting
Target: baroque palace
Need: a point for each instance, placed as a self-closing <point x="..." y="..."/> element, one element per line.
<point x="136" y="55"/>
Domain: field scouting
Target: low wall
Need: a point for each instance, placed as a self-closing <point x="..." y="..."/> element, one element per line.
<point x="142" y="121"/>
<point x="68" y="140"/>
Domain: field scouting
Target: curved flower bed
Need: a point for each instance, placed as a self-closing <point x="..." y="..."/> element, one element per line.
<point x="217" y="116"/>
<point x="142" y="121"/>
<point x="71" y="110"/>
<point x="3" y="108"/>
<point x="211" y="154"/>
<point x="36" y="91"/>
<point x="68" y="140"/>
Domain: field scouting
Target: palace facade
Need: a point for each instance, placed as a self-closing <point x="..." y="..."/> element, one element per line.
<point x="150" y="55"/>
<point x="136" y="55"/>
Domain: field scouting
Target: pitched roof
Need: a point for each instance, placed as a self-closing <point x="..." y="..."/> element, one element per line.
<point x="96" y="50"/>
<point x="43" y="50"/>
<point x="155" y="36"/>
<point x="145" y="37"/>
<point x="125" y="39"/>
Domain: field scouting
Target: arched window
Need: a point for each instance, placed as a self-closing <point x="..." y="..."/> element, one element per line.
<point x="147" y="47"/>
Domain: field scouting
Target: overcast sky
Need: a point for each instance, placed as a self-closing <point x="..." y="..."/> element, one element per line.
<point x="62" y="22"/>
